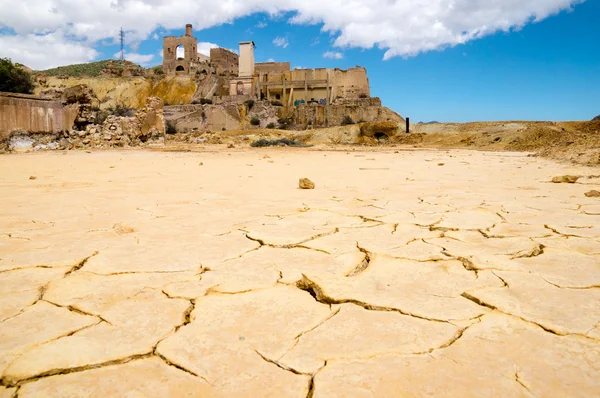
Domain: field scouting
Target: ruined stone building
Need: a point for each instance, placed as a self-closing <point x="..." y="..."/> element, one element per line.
<point x="181" y="57"/>
<point x="274" y="81"/>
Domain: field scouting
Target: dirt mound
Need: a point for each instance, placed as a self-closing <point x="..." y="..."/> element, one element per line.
<point x="575" y="141"/>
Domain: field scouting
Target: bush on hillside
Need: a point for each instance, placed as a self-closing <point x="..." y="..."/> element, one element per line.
<point x="13" y="78"/>
<point x="347" y="120"/>
<point x="271" y="125"/>
<point x="170" y="127"/>
<point x="249" y="104"/>
<point x="255" y="121"/>
<point x="121" y="110"/>
<point x="284" y="122"/>
<point x="280" y="142"/>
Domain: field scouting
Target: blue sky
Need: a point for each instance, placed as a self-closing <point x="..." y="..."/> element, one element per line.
<point x="546" y="70"/>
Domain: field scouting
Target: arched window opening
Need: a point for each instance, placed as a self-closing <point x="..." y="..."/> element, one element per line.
<point x="180" y="69"/>
<point x="180" y="52"/>
<point x="240" y="88"/>
<point x="277" y="96"/>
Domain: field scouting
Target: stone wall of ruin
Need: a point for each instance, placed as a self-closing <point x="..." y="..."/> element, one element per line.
<point x="271" y="67"/>
<point x="33" y="114"/>
<point x="359" y="110"/>
<point x="170" y="60"/>
<point x="224" y="60"/>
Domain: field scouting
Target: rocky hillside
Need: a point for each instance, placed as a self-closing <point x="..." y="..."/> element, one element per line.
<point x="126" y="91"/>
<point x="94" y="69"/>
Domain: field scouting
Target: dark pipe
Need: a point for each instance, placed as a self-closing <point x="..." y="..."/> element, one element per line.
<point x="407" y="125"/>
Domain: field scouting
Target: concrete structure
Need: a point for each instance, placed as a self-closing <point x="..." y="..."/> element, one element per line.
<point x="34" y="114"/>
<point x="276" y="82"/>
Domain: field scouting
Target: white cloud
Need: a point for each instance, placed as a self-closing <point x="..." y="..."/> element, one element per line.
<point x="45" y="51"/>
<point x="401" y="28"/>
<point x="261" y="25"/>
<point x="333" y="55"/>
<point x="204" y="47"/>
<point x="281" y="42"/>
<point x="270" y="60"/>
<point x="140" y="59"/>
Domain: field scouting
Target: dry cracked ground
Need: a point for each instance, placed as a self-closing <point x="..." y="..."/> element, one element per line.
<point x="404" y="273"/>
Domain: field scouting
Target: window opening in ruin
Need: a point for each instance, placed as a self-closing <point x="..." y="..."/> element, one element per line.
<point x="180" y="52"/>
<point x="277" y="96"/>
<point x="240" y="88"/>
<point x="180" y="69"/>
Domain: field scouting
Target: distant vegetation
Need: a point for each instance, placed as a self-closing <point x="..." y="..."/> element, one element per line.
<point x="170" y="127"/>
<point x="94" y="69"/>
<point x="347" y="120"/>
<point x="13" y="78"/>
<point x="432" y="122"/>
<point x="280" y="142"/>
<point x="249" y="104"/>
<point x="597" y="118"/>
<point x="90" y="69"/>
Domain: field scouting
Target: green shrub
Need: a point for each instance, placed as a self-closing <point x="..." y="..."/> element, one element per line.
<point x="121" y="110"/>
<point x="205" y="101"/>
<point x="249" y="104"/>
<point x="363" y="95"/>
<point x="271" y="125"/>
<point x="255" y="121"/>
<point x="170" y="127"/>
<point x="281" y="142"/>
<point x="284" y="122"/>
<point x="347" y="120"/>
<point x="14" y="79"/>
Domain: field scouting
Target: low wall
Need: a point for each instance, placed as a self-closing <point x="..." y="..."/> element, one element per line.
<point x="34" y="114"/>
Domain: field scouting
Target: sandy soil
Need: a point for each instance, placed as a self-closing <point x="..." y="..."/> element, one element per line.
<point x="404" y="273"/>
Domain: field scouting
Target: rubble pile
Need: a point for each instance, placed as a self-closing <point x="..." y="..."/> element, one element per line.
<point x="144" y="128"/>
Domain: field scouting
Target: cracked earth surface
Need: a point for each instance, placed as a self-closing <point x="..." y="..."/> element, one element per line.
<point x="140" y="273"/>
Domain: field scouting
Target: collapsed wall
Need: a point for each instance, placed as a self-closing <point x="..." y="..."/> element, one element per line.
<point x="90" y="129"/>
<point x="31" y="113"/>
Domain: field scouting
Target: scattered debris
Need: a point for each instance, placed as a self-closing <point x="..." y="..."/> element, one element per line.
<point x="281" y="142"/>
<point x="230" y="146"/>
<point x="566" y="179"/>
<point x="440" y="164"/>
<point x="305" y="183"/>
<point x="593" y="194"/>
<point x="32" y="177"/>
<point x="266" y="157"/>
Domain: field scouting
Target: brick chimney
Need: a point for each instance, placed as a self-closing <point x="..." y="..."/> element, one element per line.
<point x="188" y="29"/>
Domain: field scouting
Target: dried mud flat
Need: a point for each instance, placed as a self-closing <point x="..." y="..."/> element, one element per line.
<point x="404" y="273"/>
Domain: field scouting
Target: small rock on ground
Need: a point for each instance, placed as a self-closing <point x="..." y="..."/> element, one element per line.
<point x="305" y="183"/>
<point x="593" y="194"/>
<point x="566" y="179"/>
